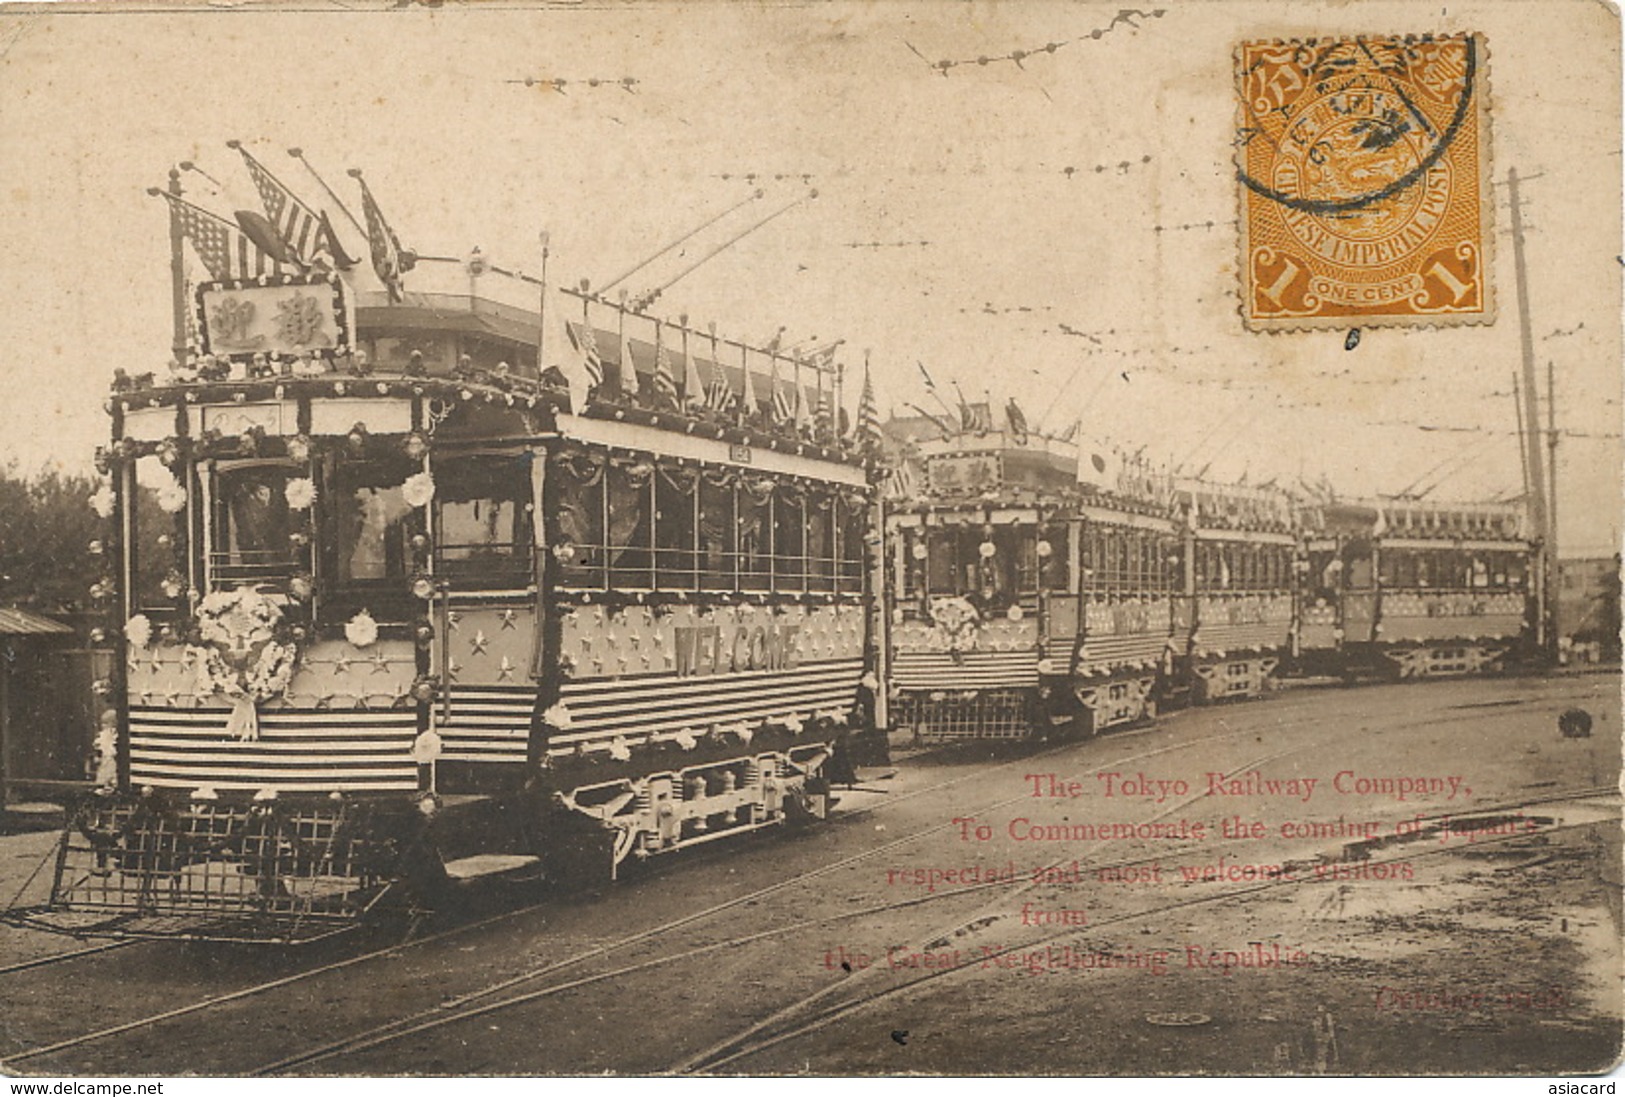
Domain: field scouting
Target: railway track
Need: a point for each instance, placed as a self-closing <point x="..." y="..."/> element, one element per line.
<point x="471" y="1007"/>
<point x="977" y="772"/>
<point x="509" y="993"/>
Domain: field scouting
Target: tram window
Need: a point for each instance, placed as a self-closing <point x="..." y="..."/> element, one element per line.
<point x="853" y="515"/>
<point x="1053" y="572"/>
<point x="251" y="523"/>
<point x="484" y="538"/>
<point x="755" y="503"/>
<point x="160" y="537"/>
<point x="367" y="527"/>
<point x="942" y="561"/>
<point x="789" y="538"/>
<point x="674" y="528"/>
<point x="577" y="519"/>
<point x="820" y="542"/>
<point x="716" y="532"/>
<point x="630" y="544"/>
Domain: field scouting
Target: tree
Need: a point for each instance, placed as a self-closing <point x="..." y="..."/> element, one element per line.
<point x="46" y="526"/>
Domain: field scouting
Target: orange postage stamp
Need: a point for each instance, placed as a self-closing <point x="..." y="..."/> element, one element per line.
<point x="1362" y="166"/>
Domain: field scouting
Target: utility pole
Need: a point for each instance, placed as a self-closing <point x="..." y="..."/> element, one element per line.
<point x="1537" y="471"/>
<point x="1552" y="580"/>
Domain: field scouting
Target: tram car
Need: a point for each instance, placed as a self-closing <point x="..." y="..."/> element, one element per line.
<point x="1024" y="601"/>
<point x="1413" y="589"/>
<point x="394" y="611"/>
<point x="1233" y="616"/>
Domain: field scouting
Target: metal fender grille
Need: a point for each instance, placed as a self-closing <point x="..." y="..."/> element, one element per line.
<point x="146" y="866"/>
<point x="974" y="714"/>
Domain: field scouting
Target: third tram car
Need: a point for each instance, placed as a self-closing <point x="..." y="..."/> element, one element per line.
<point x="1234" y="613"/>
<point x="1411" y="589"/>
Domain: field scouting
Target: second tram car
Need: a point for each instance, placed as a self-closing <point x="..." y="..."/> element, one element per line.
<point x="1026" y="598"/>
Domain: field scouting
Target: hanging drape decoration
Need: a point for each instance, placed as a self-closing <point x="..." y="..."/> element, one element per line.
<point x="628" y="502"/>
<point x="575" y="517"/>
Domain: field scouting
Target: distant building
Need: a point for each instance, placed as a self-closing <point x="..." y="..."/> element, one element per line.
<point x="47" y="708"/>
<point x="1588" y="601"/>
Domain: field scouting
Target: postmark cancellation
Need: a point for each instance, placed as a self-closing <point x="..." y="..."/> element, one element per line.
<point x="1362" y="166"/>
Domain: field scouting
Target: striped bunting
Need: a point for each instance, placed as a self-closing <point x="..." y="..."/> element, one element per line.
<point x="973" y="669"/>
<point x="488" y="724"/>
<point x="1115" y="650"/>
<point x="601" y="709"/>
<point x="298" y="751"/>
<point x="1236" y="637"/>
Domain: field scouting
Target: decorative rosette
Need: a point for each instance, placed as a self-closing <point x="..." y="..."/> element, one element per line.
<point x="300" y="493"/>
<point x="361" y="630"/>
<point x="172" y="497"/>
<point x="418" y="489"/>
<point x="138" y="630"/>
<point x="246" y="654"/>
<point x="102" y="501"/>
<point x="957" y="623"/>
<point x="558" y="717"/>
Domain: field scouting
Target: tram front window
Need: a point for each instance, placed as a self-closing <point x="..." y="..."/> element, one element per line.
<point x="251" y="523"/>
<point x="366" y="543"/>
<point x="989" y="570"/>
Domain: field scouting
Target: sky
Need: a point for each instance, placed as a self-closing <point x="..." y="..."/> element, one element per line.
<point x="1062" y="231"/>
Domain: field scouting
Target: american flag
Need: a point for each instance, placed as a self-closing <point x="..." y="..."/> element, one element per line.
<point x="587" y="344"/>
<point x="899" y="482"/>
<point x="306" y="232"/>
<point x="222" y="247"/>
<point x="386" y="248"/>
<point x="665" y="383"/>
<point x="783" y="409"/>
<point x="824" y="417"/>
<point x="868" y="416"/>
<point x="719" y="395"/>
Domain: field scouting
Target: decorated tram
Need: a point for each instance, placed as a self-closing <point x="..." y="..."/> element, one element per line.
<point x="1026" y="599"/>
<point x="1414" y="589"/>
<point x="1234" y="613"/>
<point x="395" y="609"/>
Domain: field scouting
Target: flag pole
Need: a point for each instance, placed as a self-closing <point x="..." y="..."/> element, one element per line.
<point x="688" y="364"/>
<point x="541" y="310"/>
<point x="840" y="395"/>
<point x="299" y="155"/>
<point x="177" y="268"/>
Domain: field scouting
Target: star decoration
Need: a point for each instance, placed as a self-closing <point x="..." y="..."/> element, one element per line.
<point x="380" y="663"/>
<point x="479" y="643"/>
<point x="172" y="699"/>
<point x="509" y="619"/>
<point x="361" y="705"/>
<point x="134" y="666"/>
<point x="505" y="671"/>
<point x="341" y="663"/>
<point x="452" y="619"/>
<point x="155" y="667"/>
<point x="453" y="668"/>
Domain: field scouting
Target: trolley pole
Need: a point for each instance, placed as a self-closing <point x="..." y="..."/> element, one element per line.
<point x="1531" y="406"/>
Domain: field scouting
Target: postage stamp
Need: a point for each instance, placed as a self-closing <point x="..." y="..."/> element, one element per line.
<point x="1362" y="166"/>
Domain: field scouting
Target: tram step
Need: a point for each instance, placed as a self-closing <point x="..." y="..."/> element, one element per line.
<point x="489" y="864"/>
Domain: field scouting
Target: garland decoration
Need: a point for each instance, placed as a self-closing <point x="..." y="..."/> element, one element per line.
<point x="245" y="654"/>
<point x="957" y="622"/>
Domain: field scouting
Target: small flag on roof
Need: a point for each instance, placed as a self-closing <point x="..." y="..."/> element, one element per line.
<point x="307" y="233"/>
<point x="665" y="384"/>
<point x="868" y="415"/>
<point x="388" y="259"/>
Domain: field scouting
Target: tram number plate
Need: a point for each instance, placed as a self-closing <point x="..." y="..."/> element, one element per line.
<point x="739" y="455"/>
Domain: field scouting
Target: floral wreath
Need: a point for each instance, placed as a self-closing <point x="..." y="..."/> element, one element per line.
<point x="957" y="622"/>
<point x="245" y="654"/>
